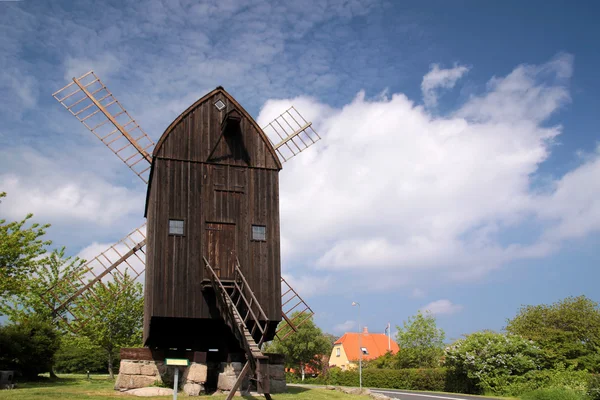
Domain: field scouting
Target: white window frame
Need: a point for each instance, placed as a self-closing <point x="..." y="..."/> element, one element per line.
<point x="261" y="238"/>
<point x="176" y="230"/>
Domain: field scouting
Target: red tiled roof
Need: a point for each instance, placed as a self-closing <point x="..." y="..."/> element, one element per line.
<point x="375" y="343"/>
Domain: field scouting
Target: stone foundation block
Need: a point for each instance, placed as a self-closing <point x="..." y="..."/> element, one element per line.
<point x="193" y="389"/>
<point x="148" y="369"/>
<point x="196" y="373"/>
<point x="130" y="368"/>
<point x="125" y="382"/>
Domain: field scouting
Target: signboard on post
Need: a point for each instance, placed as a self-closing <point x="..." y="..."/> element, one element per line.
<point x="176" y="362"/>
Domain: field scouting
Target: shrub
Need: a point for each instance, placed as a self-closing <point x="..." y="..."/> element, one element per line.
<point x="78" y="355"/>
<point x="490" y="360"/>
<point x="28" y="347"/>
<point x="415" y="379"/>
<point x="553" y="394"/>
<point x="559" y="378"/>
<point x="593" y="390"/>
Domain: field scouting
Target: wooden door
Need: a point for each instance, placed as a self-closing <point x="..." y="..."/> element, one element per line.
<point x="221" y="245"/>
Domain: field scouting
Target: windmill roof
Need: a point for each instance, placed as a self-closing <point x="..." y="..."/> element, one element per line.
<point x="375" y="343"/>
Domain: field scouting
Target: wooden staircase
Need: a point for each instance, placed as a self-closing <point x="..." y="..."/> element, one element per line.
<point x="245" y="317"/>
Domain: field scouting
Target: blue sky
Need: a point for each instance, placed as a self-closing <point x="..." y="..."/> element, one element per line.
<point x="459" y="167"/>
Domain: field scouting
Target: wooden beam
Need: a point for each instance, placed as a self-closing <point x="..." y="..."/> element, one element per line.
<point x="239" y="380"/>
<point x="293" y="135"/>
<point x="101" y="275"/>
<point x="114" y="121"/>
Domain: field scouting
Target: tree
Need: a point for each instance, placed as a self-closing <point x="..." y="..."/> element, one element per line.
<point x="489" y="360"/>
<point x="28" y="346"/>
<point x="20" y="250"/>
<point x="386" y="361"/>
<point x="116" y="312"/>
<point x="306" y="347"/>
<point x="421" y="342"/>
<point x="50" y="274"/>
<point x="77" y="354"/>
<point x="567" y="331"/>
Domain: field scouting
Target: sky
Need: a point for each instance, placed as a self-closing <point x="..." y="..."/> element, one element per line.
<point x="458" y="171"/>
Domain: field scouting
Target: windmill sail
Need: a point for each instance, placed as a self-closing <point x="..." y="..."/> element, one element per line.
<point x="291" y="134"/>
<point x="294" y="311"/>
<point x="88" y="99"/>
<point x="127" y="256"/>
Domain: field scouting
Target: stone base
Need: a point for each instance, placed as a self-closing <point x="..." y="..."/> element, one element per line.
<point x="134" y="374"/>
<point x="142" y="372"/>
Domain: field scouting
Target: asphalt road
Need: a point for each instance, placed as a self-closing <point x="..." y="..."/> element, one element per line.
<point x="399" y="394"/>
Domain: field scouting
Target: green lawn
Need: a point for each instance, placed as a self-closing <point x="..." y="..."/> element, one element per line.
<point x="100" y="387"/>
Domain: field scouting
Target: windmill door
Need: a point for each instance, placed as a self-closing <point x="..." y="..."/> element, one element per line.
<point x="221" y="245"/>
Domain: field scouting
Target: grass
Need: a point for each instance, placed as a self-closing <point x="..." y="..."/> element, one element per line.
<point x="100" y="387"/>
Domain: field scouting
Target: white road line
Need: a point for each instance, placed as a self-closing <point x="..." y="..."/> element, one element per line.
<point x="419" y="395"/>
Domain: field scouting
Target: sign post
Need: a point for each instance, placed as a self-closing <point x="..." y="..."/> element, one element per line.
<point x="176" y="362"/>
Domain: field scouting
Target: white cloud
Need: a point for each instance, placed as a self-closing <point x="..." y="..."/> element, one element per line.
<point x="307" y="285"/>
<point x="393" y="191"/>
<point x="442" y="307"/>
<point x="440" y="78"/>
<point x="346" y="326"/>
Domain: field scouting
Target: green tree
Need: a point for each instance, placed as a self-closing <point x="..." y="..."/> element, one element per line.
<point x="116" y="319"/>
<point x="46" y="289"/>
<point x="421" y="342"/>
<point x="77" y="354"/>
<point x="28" y="346"/>
<point x="567" y="331"/>
<point x="21" y="248"/>
<point x="386" y="361"/>
<point x="306" y="347"/>
<point x="489" y="360"/>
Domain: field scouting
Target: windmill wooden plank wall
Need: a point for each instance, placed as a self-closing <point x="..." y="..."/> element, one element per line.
<point x="214" y="177"/>
<point x="217" y="172"/>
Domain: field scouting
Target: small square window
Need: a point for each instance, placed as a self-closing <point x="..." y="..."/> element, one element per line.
<point x="176" y="227"/>
<point x="364" y="351"/>
<point x="220" y="105"/>
<point x="259" y="233"/>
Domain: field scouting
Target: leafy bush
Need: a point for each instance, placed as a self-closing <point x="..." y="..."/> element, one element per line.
<point x="490" y="360"/>
<point x="28" y="347"/>
<point x="553" y="394"/>
<point x="558" y="378"/>
<point x="593" y="390"/>
<point x="77" y="354"/>
<point x="415" y="379"/>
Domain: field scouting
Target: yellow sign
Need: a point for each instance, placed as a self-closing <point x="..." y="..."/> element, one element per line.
<point x="177" y="361"/>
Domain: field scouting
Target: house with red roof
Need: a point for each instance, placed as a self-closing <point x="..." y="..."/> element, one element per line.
<point x="347" y="349"/>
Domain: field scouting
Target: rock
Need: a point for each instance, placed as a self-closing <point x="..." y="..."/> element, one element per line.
<point x="277" y="372"/>
<point x="129" y="368"/>
<point x="329" y="387"/>
<point x="196" y="373"/>
<point x="232" y="368"/>
<point x="277" y="386"/>
<point x="148" y="369"/>
<point x="226" y="381"/>
<point x="193" y="389"/>
<point x="150" y="392"/>
<point x="134" y="381"/>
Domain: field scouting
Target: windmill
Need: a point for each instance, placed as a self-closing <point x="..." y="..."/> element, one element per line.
<point x="209" y="251"/>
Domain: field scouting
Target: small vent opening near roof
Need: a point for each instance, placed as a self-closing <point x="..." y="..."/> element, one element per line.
<point x="220" y="105"/>
<point x="364" y="350"/>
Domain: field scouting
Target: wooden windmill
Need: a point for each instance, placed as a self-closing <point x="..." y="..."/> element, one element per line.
<point x="210" y="248"/>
